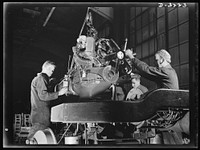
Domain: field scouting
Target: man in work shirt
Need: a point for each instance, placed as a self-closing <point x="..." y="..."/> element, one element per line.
<point x="164" y="75"/>
<point x="137" y="89"/>
<point x="40" y="99"/>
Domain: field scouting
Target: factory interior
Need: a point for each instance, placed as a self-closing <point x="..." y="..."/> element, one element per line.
<point x="35" y="32"/>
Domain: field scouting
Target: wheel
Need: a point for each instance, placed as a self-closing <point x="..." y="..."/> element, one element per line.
<point x="45" y="136"/>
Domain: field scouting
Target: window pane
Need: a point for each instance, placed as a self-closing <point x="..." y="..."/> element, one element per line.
<point x="139" y="36"/>
<point x="184" y="72"/>
<point x="132" y="12"/>
<point x="174" y="52"/>
<point x="160" y="11"/>
<point x="145" y="33"/>
<point x="152" y="28"/>
<point x="161" y="25"/>
<point x="145" y="49"/>
<point x="184" y="32"/>
<point x="183" y="14"/>
<point x="151" y="47"/>
<point x="144" y="8"/>
<point x="138" y="22"/>
<point x="152" y="14"/>
<point x="138" y="52"/>
<point x="172" y="18"/>
<point x="132" y="40"/>
<point x="161" y="41"/>
<point x="184" y="53"/>
<point x="170" y="9"/>
<point x="173" y="37"/>
<point x="156" y="44"/>
<point x="132" y="26"/>
<point x="145" y="18"/>
<point x="138" y="10"/>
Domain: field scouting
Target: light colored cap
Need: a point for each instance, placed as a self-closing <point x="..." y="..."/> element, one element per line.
<point x="164" y="54"/>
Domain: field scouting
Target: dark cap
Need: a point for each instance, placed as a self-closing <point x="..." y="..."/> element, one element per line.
<point x="135" y="76"/>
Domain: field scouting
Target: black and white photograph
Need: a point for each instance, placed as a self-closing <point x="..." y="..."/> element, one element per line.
<point x="100" y="74"/>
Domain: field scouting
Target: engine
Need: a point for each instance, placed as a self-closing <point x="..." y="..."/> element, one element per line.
<point x="93" y="69"/>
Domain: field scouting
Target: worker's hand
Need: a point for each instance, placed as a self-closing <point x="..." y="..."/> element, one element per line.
<point x="133" y="97"/>
<point x="129" y="53"/>
<point x="62" y="91"/>
<point x="138" y="96"/>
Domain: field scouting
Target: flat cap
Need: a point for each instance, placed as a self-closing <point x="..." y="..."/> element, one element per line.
<point x="164" y="54"/>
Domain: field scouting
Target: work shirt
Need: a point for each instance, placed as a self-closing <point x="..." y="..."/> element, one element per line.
<point x="165" y="77"/>
<point x="142" y="88"/>
<point x="135" y="93"/>
<point x="40" y="99"/>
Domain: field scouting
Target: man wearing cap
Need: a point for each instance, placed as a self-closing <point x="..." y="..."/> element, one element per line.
<point x="164" y="75"/>
<point x="137" y="89"/>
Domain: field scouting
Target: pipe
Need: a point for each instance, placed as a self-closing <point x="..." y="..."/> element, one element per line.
<point x="84" y="21"/>
<point x="47" y="19"/>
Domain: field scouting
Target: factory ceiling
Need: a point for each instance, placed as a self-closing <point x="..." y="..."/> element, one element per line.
<point x="42" y="32"/>
<point x="34" y="34"/>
